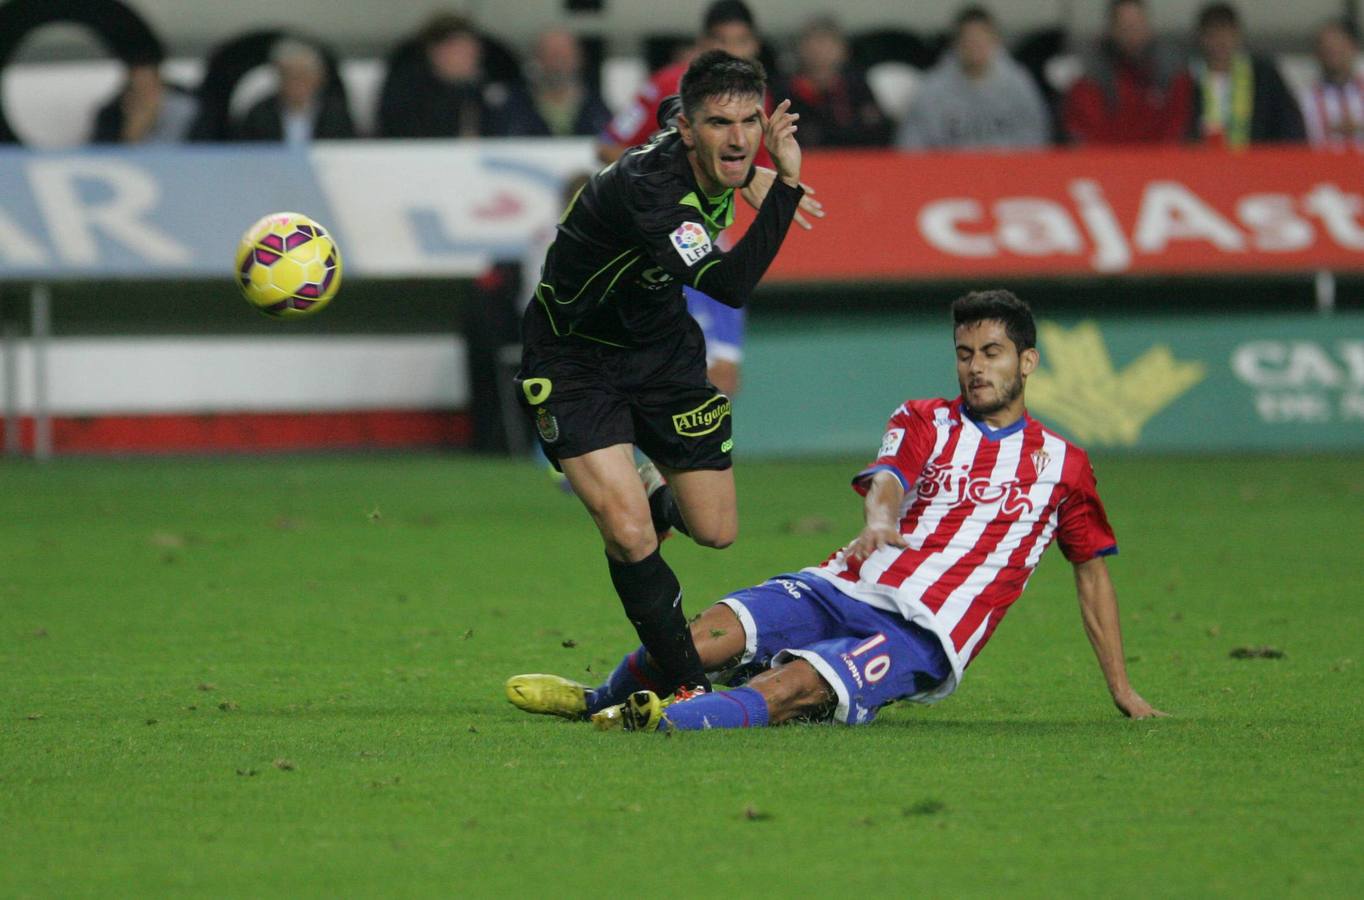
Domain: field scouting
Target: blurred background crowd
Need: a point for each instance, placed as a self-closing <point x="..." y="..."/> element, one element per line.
<point x="971" y="86"/>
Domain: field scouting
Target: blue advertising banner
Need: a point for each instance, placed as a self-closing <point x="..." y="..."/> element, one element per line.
<point x="400" y="209"/>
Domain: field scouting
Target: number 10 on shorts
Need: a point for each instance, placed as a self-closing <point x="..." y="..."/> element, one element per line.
<point x="875" y="668"/>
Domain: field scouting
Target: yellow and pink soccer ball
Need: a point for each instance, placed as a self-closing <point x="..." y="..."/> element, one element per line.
<point x="288" y="265"/>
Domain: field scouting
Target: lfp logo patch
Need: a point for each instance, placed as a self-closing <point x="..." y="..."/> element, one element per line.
<point x="691" y="242"/>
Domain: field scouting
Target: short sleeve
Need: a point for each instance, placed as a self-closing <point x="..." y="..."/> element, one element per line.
<point x="1083" y="532"/>
<point x="905" y="448"/>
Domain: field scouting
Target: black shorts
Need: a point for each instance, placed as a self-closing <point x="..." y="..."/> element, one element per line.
<point x="584" y="396"/>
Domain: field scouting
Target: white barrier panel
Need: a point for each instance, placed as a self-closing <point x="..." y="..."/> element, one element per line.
<point x="105" y="376"/>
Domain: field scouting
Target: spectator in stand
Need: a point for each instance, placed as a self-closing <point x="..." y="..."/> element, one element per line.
<point x="1334" y="104"/>
<point x="976" y="97"/>
<point x="556" y="101"/>
<point x="1239" y="99"/>
<point x="303" y="109"/>
<point x="728" y="25"/>
<point x="835" y="103"/>
<point x="148" y="110"/>
<point x="1136" y="89"/>
<point x="441" y="91"/>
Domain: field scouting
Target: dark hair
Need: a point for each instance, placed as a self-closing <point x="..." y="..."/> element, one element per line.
<point x="1218" y="15"/>
<point x="722" y="12"/>
<point x="821" y="25"/>
<point x="973" y="15"/>
<point x="717" y="74"/>
<point x="443" y="26"/>
<point x="1344" y="25"/>
<point x="997" y="306"/>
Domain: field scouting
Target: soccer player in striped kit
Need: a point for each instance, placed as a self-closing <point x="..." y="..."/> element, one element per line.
<point x="960" y="503"/>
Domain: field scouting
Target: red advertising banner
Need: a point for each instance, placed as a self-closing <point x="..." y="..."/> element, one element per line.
<point x="894" y="216"/>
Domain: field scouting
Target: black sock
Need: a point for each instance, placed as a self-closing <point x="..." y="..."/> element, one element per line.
<point x="652" y="599"/>
<point x="663" y="510"/>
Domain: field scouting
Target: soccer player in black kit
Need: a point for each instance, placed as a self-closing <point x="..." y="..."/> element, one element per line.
<point x="612" y="360"/>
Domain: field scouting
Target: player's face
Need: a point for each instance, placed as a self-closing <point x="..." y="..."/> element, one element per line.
<point x="990" y="369"/>
<point x="724" y="137"/>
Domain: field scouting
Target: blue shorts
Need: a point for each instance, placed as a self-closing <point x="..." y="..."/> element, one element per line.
<point x="722" y="325"/>
<point x="869" y="657"/>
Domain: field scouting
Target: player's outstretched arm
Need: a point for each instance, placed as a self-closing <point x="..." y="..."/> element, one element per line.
<point x="882" y="512"/>
<point x="1099" y="610"/>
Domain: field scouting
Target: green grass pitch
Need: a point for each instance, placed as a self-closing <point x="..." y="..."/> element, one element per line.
<point x="282" y="677"/>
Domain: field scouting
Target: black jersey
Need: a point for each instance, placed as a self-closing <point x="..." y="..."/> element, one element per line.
<point x="638" y="231"/>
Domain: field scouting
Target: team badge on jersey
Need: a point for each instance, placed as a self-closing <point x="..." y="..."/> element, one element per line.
<point x="1040" y="458"/>
<point x="691" y="242"/>
<point x="890" y="444"/>
<point x="547" y="425"/>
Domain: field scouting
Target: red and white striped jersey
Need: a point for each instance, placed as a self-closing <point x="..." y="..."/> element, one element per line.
<point x="980" y="506"/>
<point x="1334" y="114"/>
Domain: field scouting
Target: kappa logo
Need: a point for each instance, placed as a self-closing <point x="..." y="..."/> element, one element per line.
<point x="691" y="242"/>
<point x="852" y="668"/>
<point x="704" y="419"/>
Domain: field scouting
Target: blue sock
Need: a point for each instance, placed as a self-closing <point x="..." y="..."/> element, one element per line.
<point x="740" y="708"/>
<point x="635" y="673"/>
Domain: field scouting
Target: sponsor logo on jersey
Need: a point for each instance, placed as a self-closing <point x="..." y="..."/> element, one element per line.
<point x="890" y="444"/>
<point x="940" y="482"/>
<point x="691" y="242"/>
<point x="704" y="419"/>
<point x="547" y="425"/>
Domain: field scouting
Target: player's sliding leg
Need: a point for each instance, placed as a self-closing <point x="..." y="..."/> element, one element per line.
<point x="609" y="486"/>
<point x="719" y="639"/>
<point x="706" y="502"/>
<point x="794" y="690"/>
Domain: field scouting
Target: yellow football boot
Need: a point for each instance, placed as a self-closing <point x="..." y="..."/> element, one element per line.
<point x="548" y="695"/>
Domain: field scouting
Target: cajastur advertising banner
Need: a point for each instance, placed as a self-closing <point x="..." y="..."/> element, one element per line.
<point x="449" y="208"/>
<point x="895" y="216"/>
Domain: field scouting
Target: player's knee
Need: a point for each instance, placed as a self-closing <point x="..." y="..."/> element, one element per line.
<point x="627" y="538"/>
<point x="718" y="536"/>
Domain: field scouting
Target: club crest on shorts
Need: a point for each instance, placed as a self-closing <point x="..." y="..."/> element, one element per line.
<point x="691" y="242"/>
<point x="547" y="425"/>
<point x="704" y="419"/>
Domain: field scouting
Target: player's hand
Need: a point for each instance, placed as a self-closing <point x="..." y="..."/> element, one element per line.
<point x="779" y="136"/>
<point x="1134" y="707"/>
<point x="756" y="191"/>
<point x="873" y="538"/>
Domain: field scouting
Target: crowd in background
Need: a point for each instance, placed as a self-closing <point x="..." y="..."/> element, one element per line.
<point x="1135" y="87"/>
